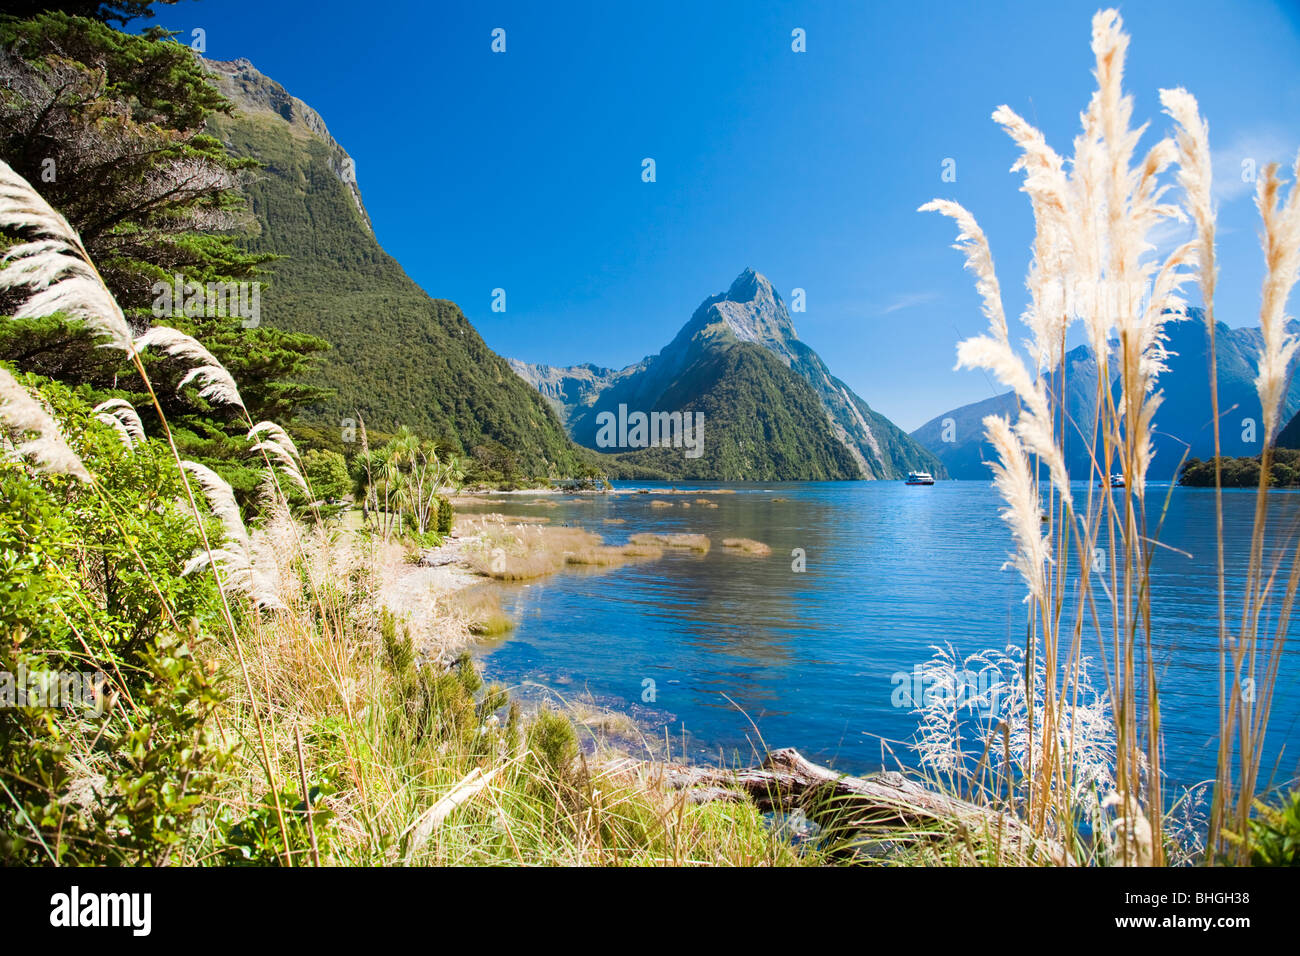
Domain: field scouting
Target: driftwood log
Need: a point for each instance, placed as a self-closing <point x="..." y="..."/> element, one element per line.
<point x="885" y="803"/>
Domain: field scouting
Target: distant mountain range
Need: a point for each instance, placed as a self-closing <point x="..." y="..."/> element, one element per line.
<point x="1183" y="421"/>
<point x="772" y="410"/>
<point x="1289" y="435"/>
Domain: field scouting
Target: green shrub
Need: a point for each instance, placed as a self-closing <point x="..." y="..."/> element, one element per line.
<point x="467" y="673"/>
<point x="445" y="515"/>
<point x="91" y="581"/>
<point x="327" y="473"/>
<point x="123" y="787"/>
<point x="258" y="840"/>
<point x="399" y="648"/>
<point x="554" y="743"/>
<point x="1274" y="832"/>
<point x="494" y="698"/>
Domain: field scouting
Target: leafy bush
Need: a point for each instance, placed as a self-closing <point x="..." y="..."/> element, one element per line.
<point x="124" y="787"/>
<point x="258" y="840"/>
<point x="91" y="581"/>
<point x="445" y="515"/>
<point x="103" y="560"/>
<point x="327" y="473"/>
<point x="554" y="743"/>
<point x="1274" y="832"/>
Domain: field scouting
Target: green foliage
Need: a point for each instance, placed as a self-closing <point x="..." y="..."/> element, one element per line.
<point x="553" y="743"/>
<point x="34" y="535"/>
<point x="400" y="484"/>
<point x="1284" y="471"/>
<point x="762" y="422"/>
<point x="124" y="787"/>
<point x="1274" y="837"/>
<point x="445" y="515"/>
<point x="399" y="649"/>
<point x="90" y="581"/>
<point x="467" y="673"/>
<point x="513" y="722"/>
<point x="494" y="698"/>
<point x="258" y="840"/>
<point x="77" y="560"/>
<point x="169" y="757"/>
<point x="327" y="473"/>
<point x="430" y="703"/>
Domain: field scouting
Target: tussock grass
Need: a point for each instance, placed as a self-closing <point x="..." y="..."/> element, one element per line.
<point x="687" y="491"/>
<point x="633" y="550"/>
<point x="612" y="556"/>
<point x="405" y="791"/>
<point x="587" y="712"/>
<point x="480" y="610"/>
<point x="518" y="567"/>
<point x="682" y="540"/>
<point x="746" y="546"/>
<point x="522" y="551"/>
<point x="604" y="556"/>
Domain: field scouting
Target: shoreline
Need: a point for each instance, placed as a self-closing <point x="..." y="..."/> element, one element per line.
<point x="430" y="595"/>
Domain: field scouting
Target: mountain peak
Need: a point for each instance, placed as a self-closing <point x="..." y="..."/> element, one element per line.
<point x="777" y="406"/>
<point x="752" y="311"/>
<point x="253" y="93"/>
<point x="748" y="286"/>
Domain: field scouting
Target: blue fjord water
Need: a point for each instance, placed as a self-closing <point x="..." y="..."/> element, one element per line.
<point x="738" y="646"/>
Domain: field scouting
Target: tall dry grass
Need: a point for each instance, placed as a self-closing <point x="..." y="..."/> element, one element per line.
<point x="1094" y="263"/>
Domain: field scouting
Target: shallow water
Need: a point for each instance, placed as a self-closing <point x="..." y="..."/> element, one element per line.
<point x="738" y="646"/>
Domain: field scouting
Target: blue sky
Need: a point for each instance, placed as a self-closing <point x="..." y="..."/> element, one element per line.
<point x="522" y="170"/>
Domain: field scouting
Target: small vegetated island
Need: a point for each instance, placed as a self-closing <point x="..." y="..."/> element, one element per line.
<point x="1243" y="471"/>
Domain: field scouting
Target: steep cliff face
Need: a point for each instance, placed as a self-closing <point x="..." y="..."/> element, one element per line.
<point x="571" y="391"/>
<point x="749" y="315"/>
<point x="399" y="357"/>
<point x="241" y="82"/>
